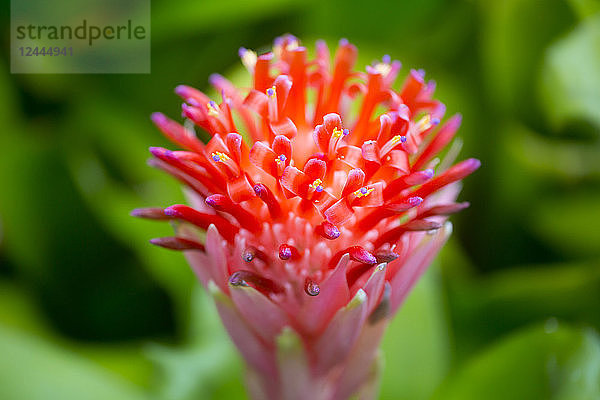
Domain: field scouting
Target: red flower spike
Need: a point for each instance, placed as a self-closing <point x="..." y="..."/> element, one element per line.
<point x="303" y="219"/>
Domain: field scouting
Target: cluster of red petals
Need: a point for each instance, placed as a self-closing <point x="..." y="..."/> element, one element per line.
<point x="313" y="176"/>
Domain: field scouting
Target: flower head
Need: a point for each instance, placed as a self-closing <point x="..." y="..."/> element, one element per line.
<point x="317" y="219"/>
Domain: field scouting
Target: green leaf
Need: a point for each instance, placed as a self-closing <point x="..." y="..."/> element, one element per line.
<point x="554" y="158"/>
<point x="569" y="229"/>
<point x="33" y="369"/>
<point x="514" y="36"/>
<point x="192" y="17"/>
<point x="547" y="362"/>
<point x="585" y="8"/>
<point x="486" y="308"/>
<point x="416" y="346"/>
<point x="570" y="85"/>
<point x="207" y="365"/>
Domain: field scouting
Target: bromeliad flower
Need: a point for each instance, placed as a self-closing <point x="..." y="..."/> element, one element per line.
<point x="309" y="221"/>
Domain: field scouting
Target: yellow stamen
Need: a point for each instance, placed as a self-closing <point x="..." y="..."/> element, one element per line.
<point x="249" y="59"/>
<point x="363" y="192"/>
<point x="212" y="108"/>
<point x="383" y="68"/>
<point x="396" y="139"/>
<point x="423" y="124"/>
<point x="337" y="132"/>
<point x="316" y="183"/>
<point x="219" y="157"/>
<point x="292" y="45"/>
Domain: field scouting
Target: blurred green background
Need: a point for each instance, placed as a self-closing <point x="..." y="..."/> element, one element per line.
<point x="510" y="310"/>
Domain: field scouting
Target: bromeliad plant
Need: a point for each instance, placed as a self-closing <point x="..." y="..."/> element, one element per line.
<point x="314" y="208"/>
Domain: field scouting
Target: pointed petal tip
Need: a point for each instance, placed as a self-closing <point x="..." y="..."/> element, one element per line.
<point x="359" y="298"/>
<point x="181" y="90"/>
<point x="149" y="213"/>
<point x="137" y="212"/>
<point x="447" y="228"/>
<point x="159" y="151"/>
<point x="177" y="243"/>
<point x="215" y="78"/>
<point x="473" y="164"/>
<point x="158" y="118"/>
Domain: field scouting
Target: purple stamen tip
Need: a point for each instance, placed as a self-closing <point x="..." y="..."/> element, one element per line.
<point x="334" y="232"/>
<point x="319" y="188"/>
<point x="258" y="190"/>
<point x="282" y="157"/>
<point x="435" y="121"/>
<point x="216" y="157"/>
<point x="270" y="91"/>
<point x="170" y="212"/>
<point x="345" y="132"/>
<point x="212" y="104"/>
<point x="415" y="201"/>
<point x="210" y="201"/>
<point x="403" y="139"/>
<point x="285" y="253"/>
<point x="193" y="102"/>
<point x="181" y="90"/>
<point x="158" y="118"/>
<point x="237" y="279"/>
<point x="363" y="190"/>
<point x="386" y="59"/>
<point x="248" y="255"/>
<point x="429" y="172"/>
<point x="155" y="151"/>
<point x="242" y="51"/>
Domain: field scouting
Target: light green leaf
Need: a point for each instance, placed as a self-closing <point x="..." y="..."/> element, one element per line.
<point x="569" y="229"/>
<point x="554" y="158"/>
<point x="585" y="8"/>
<point x="32" y="370"/>
<point x="548" y="362"/>
<point x="570" y="85"/>
<point x="514" y="36"/>
<point x="485" y="308"/>
<point x="207" y="366"/>
<point x="192" y="17"/>
<point x="416" y="345"/>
